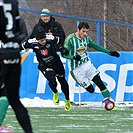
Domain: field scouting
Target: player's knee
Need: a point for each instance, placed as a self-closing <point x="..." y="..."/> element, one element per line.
<point x="52" y="83"/>
<point x="90" y="89"/>
<point x="49" y="74"/>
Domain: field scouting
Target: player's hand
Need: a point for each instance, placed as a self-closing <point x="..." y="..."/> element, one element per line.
<point x="77" y="57"/>
<point x="64" y="51"/>
<point x="50" y="37"/>
<point x="32" y="40"/>
<point x="114" y="53"/>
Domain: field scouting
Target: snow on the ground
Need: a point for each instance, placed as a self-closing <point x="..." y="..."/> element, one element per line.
<point x="37" y="102"/>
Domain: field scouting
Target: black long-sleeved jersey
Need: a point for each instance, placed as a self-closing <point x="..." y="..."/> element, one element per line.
<point x="9" y="48"/>
<point x="46" y="55"/>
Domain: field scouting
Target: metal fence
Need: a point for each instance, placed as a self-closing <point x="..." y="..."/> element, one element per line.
<point x="101" y="26"/>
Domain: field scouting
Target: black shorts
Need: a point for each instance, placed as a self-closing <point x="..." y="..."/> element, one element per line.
<point x="57" y="66"/>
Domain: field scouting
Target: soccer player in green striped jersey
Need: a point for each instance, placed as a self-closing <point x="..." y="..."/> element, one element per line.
<point x="81" y="67"/>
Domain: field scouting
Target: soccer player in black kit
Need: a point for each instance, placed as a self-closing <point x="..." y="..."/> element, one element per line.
<point x="10" y="68"/>
<point x="49" y="62"/>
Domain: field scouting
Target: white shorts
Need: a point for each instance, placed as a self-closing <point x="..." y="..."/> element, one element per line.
<point x="84" y="73"/>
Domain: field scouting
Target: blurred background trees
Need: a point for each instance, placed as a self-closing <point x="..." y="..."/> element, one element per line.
<point x="113" y="37"/>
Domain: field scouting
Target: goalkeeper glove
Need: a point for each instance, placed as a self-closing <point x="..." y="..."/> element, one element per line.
<point x="77" y="57"/>
<point x="114" y="53"/>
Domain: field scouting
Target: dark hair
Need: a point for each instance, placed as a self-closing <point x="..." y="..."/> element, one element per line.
<point x="40" y="33"/>
<point x="83" y="25"/>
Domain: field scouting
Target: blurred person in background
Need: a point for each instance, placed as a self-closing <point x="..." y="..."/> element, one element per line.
<point x="23" y="33"/>
<point x="51" y="27"/>
<point x="10" y="68"/>
<point x="20" y="36"/>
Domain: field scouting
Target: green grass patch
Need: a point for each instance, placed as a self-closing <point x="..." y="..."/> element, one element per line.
<point x="77" y="120"/>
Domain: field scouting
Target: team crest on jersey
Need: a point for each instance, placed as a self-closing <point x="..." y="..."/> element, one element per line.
<point x="44" y="52"/>
<point x="80" y="50"/>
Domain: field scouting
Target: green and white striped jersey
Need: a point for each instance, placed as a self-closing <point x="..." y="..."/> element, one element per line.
<point x="79" y="46"/>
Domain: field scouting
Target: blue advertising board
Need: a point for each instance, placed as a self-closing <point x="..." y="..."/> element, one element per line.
<point x="116" y="73"/>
